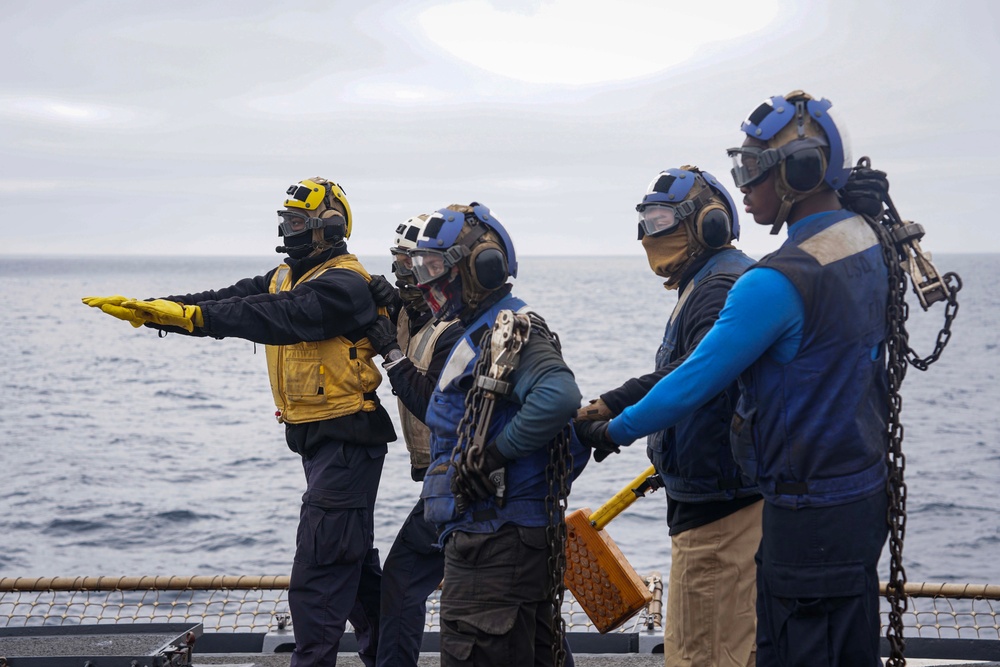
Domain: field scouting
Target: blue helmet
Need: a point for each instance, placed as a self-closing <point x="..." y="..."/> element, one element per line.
<point x="803" y="144"/>
<point x="777" y="113"/>
<point x="689" y="193"/>
<point x="468" y="238"/>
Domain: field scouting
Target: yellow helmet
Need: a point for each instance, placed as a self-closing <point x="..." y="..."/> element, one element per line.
<point x="318" y="195"/>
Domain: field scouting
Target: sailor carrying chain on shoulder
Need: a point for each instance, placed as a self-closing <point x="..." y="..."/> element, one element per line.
<point x="500" y="352"/>
<point x="900" y="242"/>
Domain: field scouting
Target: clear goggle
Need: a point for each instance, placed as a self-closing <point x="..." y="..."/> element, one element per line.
<point x="656" y="219"/>
<point x="294" y="222"/>
<point x="429" y="264"/>
<point x="402" y="264"/>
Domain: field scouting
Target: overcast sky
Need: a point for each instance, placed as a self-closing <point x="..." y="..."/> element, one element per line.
<point x="175" y="127"/>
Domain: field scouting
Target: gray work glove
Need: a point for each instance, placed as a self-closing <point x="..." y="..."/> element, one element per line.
<point x="596" y="410"/>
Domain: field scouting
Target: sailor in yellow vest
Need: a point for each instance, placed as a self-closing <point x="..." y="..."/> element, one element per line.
<point x="311" y="312"/>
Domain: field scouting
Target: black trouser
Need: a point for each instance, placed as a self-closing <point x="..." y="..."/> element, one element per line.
<point x="336" y="573"/>
<point x="817" y="585"/>
<point x="495" y="606"/>
<point x="413" y="569"/>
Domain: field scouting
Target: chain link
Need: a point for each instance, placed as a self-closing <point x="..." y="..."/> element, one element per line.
<point x="899" y="355"/>
<point x="897" y="344"/>
<point x="475" y="401"/>
<point x="557" y="473"/>
<point x="954" y="283"/>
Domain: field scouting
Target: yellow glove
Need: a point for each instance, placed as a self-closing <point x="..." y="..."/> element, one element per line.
<point x="112" y="305"/>
<point x="167" y="313"/>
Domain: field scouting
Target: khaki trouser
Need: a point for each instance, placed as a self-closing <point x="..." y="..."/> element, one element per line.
<point x="711" y="598"/>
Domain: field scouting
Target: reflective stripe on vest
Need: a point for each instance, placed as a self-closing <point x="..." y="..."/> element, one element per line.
<point x="419" y="349"/>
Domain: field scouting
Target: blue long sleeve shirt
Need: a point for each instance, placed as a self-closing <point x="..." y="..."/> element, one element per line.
<point x="764" y="314"/>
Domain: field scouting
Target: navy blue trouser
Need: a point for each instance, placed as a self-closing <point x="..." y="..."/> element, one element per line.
<point x="336" y="575"/>
<point x="817" y="585"/>
<point x="413" y="570"/>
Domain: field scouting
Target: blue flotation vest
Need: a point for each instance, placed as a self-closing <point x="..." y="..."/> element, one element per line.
<point x="813" y="431"/>
<point x="694" y="457"/>
<point x="527" y="485"/>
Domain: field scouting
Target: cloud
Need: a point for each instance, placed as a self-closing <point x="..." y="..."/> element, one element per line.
<point x="568" y="42"/>
<point x="190" y="121"/>
<point x="65" y="111"/>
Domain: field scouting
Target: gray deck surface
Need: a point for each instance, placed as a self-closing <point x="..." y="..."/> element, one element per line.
<point x="426" y="660"/>
<point x="433" y="660"/>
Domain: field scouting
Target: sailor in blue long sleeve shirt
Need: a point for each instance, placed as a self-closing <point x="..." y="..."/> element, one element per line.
<point x="805" y="331"/>
<point x="763" y="315"/>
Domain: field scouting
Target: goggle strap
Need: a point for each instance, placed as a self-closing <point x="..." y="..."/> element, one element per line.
<point x="474" y="234"/>
<point x="455" y="254"/>
<point x="285" y="227"/>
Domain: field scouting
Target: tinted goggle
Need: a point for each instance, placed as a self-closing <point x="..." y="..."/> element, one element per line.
<point x="751" y="164"/>
<point x="429" y="264"/>
<point x="656" y="219"/>
<point x="294" y="222"/>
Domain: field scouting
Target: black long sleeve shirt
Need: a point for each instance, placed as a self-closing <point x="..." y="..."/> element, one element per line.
<point x="696" y="318"/>
<point x="335" y="303"/>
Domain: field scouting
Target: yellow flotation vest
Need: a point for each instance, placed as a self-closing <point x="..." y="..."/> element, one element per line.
<point x="313" y="381"/>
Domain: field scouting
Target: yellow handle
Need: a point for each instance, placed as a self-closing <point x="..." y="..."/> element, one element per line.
<point x="628" y="495"/>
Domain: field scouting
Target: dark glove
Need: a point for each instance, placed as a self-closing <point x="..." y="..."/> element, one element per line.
<point x="385" y="295"/>
<point x="865" y="191"/>
<point x="481" y="479"/>
<point x="594" y="434"/>
<point x="382" y="335"/>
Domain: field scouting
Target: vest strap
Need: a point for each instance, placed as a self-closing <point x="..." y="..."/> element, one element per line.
<point x="488" y="514"/>
<point x="729" y="484"/>
<point x="791" y="488"/>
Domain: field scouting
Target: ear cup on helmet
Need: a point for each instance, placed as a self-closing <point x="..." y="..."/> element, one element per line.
<point x="488" y="267"/>
<point x="714" y="226"/>
<point x="804" y="169"/>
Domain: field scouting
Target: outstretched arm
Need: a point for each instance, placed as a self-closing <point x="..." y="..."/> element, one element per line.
<point x="763" y="314"/>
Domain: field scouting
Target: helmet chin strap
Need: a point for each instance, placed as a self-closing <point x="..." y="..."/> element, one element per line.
<point x="787" y="201"/>
<point x="319" y="242"/>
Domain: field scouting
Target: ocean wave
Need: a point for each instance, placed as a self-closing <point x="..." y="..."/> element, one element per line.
<point x="67" y="527"/>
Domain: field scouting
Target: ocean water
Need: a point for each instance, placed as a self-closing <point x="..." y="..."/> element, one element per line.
<point x="123" y="453"/>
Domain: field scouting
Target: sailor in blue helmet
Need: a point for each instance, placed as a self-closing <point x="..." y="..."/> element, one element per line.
<point x="487" y="488"/>
<point x="311" y="312"/>
<point x="687" y="225"/>
<point x="415" y="349"/>
<point x="804" y="329"/>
